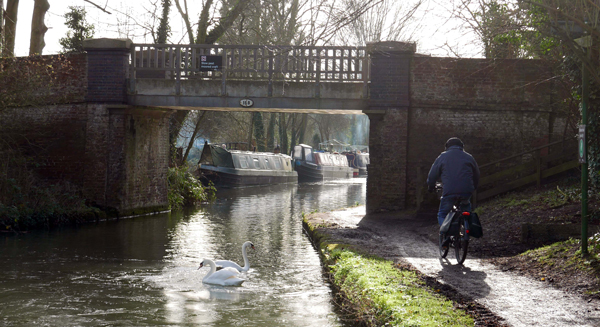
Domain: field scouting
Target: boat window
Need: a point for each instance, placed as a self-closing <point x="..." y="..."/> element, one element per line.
<point x="336" y="159"/>
<point x="268" y="164"/>
<point x="243" y="162"/>
<point x="256" y="163"/>
<point x="323" y="159"/>
<point x="277" y="162"/>
<point x="297" y="152"/>
<point x="343" y="161"/>
<point x="308" y="155"/>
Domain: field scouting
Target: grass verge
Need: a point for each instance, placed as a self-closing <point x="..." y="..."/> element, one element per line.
<point x="376" y="293"/>
<point x="554" y="261"/>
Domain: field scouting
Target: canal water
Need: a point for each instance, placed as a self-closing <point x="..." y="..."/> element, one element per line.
<point x="144" y="270"/>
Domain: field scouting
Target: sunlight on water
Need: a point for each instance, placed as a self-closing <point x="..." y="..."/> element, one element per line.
<point x="144" y="271"/>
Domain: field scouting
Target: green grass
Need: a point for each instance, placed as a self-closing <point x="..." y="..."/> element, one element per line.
<point x="382" y="295"/>
<point x="554" y="197"/>
<point x="567" y="255"/>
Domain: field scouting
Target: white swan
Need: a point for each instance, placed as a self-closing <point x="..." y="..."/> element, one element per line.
<point x="228" y="263"/>
<point x="225" y="277"/>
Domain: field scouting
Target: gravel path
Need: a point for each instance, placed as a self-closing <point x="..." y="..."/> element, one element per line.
<point x="519" y="300"/>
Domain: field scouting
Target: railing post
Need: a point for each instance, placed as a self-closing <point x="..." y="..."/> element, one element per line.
<point x="224" y="71"/>
<point x="132" y="68"/>
<point x="318" y="83"/>
<point x="270" y="72"/>
<point x="178" y="71"/>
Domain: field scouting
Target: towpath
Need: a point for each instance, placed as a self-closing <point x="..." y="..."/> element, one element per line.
<point x="519" y="300"/>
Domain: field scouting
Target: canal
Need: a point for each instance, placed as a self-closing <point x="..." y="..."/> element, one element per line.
<point x="143" y="270"/>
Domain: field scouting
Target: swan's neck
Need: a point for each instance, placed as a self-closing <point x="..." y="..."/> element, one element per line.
<point x="213" y="268"/>
<point x="246" y="261"/>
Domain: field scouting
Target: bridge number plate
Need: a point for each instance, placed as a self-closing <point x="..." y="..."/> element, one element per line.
<point x="582" y="142"/>
<point x="246" y="103"/>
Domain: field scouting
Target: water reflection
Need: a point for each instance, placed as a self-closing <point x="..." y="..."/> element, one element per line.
<point x="143" y="271"/>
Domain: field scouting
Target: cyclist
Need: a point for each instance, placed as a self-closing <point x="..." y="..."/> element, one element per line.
<point x="459" y="173"/>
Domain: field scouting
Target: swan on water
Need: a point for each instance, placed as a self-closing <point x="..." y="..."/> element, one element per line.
<point x="228" y="263"/>
<point x="224" y="277"/>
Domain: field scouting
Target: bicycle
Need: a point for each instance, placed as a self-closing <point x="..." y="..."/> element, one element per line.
<point x="456" y="233"/>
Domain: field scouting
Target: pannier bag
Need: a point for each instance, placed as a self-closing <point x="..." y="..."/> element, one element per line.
<point x="450" y="225"/>
<point x="475" y="228"/>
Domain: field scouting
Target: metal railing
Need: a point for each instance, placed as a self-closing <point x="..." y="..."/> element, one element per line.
<point x="252" y="62"/>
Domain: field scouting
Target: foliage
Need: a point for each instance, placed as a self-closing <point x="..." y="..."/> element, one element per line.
<point x="185" y="189"/>
<point x="79" y="30"/>
<point x="164" y="30"/>
<point x="36" y="80"/>
<point x="384" y="295"/>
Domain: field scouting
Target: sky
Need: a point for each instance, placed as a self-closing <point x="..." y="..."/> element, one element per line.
<point x="431" y="32"/>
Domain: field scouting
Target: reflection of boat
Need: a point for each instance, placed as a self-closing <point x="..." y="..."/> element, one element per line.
<point x="244" y="168"/>
<point x="315" y="165"/>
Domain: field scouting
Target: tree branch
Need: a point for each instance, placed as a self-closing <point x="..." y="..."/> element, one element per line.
<point x="97" y="6"/>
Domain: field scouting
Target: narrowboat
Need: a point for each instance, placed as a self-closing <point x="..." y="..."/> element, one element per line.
<point x="358" y="160"/>
<point x="317" y="165"/>
<point x="237" y="168"/>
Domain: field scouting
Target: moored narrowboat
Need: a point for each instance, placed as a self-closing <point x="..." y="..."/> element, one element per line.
<point x="236" y="168"/>
<point x="316" y="166"/>
<point x="358" y="161"/>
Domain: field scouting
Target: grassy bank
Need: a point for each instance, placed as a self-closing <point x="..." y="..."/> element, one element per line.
<point x="545" y="253"/>
<point x="376" y="293"/>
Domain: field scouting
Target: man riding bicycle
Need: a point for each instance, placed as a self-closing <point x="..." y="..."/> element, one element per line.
<point x="459" y="173"/>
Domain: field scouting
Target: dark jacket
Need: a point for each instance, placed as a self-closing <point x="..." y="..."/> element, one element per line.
<point x="458" y="171"/>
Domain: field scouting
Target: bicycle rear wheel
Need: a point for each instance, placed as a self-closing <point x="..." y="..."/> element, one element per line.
<point x="461" y="246"/>
<point x="443" y="251"/>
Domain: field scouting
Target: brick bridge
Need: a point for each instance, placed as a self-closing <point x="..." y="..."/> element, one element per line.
<point x="109" y="133"/>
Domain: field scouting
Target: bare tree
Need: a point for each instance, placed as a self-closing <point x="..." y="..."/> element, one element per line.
<point x="1" y="25"/>
<point x="38" y="28"/>
<point x="10" y="28"/>
<point x="386" y="20"/>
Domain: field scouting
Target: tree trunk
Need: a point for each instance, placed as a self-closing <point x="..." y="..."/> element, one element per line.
<point x="1" y="26"/>
<point x="251" y="131"/>
<point x="283" y="136"/>
<point x="191" y="144"/>
<point x="270" y="132"/>
<point x="10" y="28"/>
<point x="38" y="28"/>
<point x="304" y="124"/>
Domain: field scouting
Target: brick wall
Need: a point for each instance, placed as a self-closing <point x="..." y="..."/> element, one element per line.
<point x="388" y="113"/>
<point x="138" y="158"/>
<point x="118" y="157"/>
<point x="497" y="107"/>
<point x="108" y="71"/>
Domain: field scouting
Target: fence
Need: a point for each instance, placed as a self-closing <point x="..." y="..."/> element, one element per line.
<point x="251" y="62"/>
<point x="529" y="167"/>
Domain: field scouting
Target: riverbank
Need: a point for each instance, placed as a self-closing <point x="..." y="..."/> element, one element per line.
<point x="507" y="271"/>
<point x="375" y="288"/>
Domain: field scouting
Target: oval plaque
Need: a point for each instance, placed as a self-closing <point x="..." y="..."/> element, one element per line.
<point x="246" y="103"/>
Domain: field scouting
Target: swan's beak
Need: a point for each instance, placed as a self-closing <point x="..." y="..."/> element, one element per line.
<point x="201" y="265"/>
<point x="252" y="246"/>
